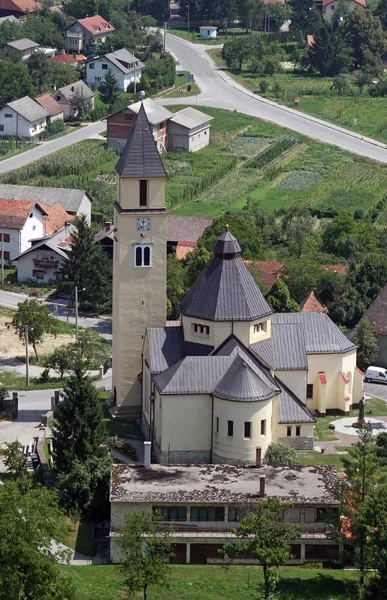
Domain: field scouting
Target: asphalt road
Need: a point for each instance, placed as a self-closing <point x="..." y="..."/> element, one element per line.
<point x="220" y="91"/>
<point x="378" y="390"/>
<point x="64" y="313"/>
<point x="46" y="148"/>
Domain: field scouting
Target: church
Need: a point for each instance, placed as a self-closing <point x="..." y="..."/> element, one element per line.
<point x="230" y="377"/>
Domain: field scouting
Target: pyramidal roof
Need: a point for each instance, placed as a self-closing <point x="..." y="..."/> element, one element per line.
<point x="313" y="304"/>
<point x="241" y="383"/>
<point x="140" y="158"/>
<point x="225" y="290"/>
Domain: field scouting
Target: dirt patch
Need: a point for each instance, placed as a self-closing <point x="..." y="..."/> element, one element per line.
<point x="12" y="346"/>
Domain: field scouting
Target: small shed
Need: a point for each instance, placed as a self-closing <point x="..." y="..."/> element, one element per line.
<point x="207" y="31"/>
<point x="189" y="130"/>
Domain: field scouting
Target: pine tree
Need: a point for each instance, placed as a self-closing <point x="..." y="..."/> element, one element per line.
<point x="367" y="344"/>
<point x="80" y="431"/>
<point x="87" y="267"/>
<point x="91" y="48"/>
<point x="109" y="90"/>
<point x="279" y="297"/>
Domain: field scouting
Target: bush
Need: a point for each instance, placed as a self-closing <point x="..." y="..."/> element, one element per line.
<point x="189" y="87"/>
<point x="263" y="86"/>
<point x="279" y="145"/>
<point x="379" y="90"/>
<point x="281" y="455"/>
<point x="55" y="127"/>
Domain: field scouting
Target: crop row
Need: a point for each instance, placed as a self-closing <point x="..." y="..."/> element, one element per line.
<point x="278" y="147"/>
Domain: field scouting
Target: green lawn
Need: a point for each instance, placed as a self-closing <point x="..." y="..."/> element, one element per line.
<point x="317" y="458"/>
<point x="194" y="36"/>
<point x="181" y="83"/>
<point x="80" y="536"/>
<point x="119" y="427"/>
<point x="15" y="381"/>
<point x="193" y="582"/>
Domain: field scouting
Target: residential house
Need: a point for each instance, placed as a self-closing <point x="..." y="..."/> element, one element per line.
<point x="105" y="239"/>
<point x="10" y="19"/>
<point x="232" y="376"/>
<point x="42" y="261"/>
<point x="376" y="316"/>
<point x="19" y="8"/>
<point x="184" y="232"/>
<point x="188" y="130"/>
<point x="20" y="222"/>
<point x="79" y="33"/>
<point x="54" y="110"/>
<point x="25" y="46"/>
<point x="120" y="124"/>
<point x="271" y="270"/>
<point x="125" y="67"/>
<point x="65" y="95"/>
<point x="327" y="7"/>
<point x="203" y="504"/>
<point x="23" y="118"/>
<point x="74" y="202"/>
<point x="313" y="304"/>
<point x="66" y="59"/>
<point x="206" y="31"/>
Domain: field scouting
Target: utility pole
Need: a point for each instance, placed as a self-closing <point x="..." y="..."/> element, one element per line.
<point x="76" y="313"/>
<point x="27" y="356"/>
<point x="165" y="35"/>
<point x="135" y="82"/>
<point x="188" y="17"/>
<point x="2" y="259"/>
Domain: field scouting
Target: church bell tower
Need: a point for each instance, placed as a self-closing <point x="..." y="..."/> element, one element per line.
<point x="139" y="263"/>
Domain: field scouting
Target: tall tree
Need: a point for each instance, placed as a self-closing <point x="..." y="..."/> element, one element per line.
<point x="146" y="548"/>
<point x="367" y="344"/>
<point x="263" y="535"/>
<point x="381" y="12"/>
<point x="193" y="264"/>
<point x="37" y="318"/>
<point x="15" y="459"/>
<point x="304" y="17"/>
<point x="242" y="227"/>
<point x="236" y="52"/>
<point x="91" y="49"/>
<point x="362" y="32"/>
<point x="329" y="53"/>
<point x="109" y="90"/>
<point x="175" y="286"/>
<point x="279" y="297"/>
<point x="87" y="267"/>
<point x="15" y="81"/>
<point x="40" y="69"/>
<point x="29" y="520"/>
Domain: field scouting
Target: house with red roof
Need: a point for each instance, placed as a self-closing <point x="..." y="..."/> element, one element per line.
<point x="313" y="304"/>
<point x="327" y="7"/>
<point x="20" y="221"/>
<point x="19" y="8"/>
<point x="79" y="33"/>
<point x="53" y="109"/>
<point x="66" y="59"/>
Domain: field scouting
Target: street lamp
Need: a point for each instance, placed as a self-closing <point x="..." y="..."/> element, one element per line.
<point x="76" y="310"/>
<point x="188" y="17"/>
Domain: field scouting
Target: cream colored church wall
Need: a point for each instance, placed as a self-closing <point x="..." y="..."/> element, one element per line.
<point x="129" y="193"/>
<point x="331" y="365"/>
<point x="186" y="423"/>
<point x="221" y="330"/>
<point x="138" y="301"/>
<point x="295" y="381"/>
<point x="306" y="430"/>
<point x="238" y="448"/>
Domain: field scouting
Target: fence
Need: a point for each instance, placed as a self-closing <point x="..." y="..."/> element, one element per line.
<point x="10" y="406"/>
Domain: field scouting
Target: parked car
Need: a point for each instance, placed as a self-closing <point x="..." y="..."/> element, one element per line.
<point x="376" y="374"/>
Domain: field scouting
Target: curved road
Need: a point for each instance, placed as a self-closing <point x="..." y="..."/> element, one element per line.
<point x="220" y="91"/>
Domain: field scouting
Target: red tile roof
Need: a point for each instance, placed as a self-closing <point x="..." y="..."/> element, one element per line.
<point x="183" y="248"/>
<point x="14" y="213"/>
<point x="271" y="270"/>
<point x="340" y="269"/>
<point x="64" y="58"/>
<point x="313" y="304"/>
<point x="361" y="2"/>
<point x="96" y="25"/>
<point x="51" y="105"/>
<point x="57" y="217"/>
<point x="22" y="6"/>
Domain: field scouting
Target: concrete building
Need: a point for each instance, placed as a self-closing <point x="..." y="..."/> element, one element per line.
<point x="54" y="110"/>
<point x="206" y="31"/>
<point x="120" y="124"/>
<point x="203" y="504"/>
<point x="24" y="46"/>
<point x="230" y="377"/>
<point x="188" y="130"/>
<point x="74" y="202"/>
<point x="79" y="33"/>
<point x="23" y="118"/>
<point x="42" y="261"/>
<point x="125" y="67"/>
<point x="20" y="222"/>
<point x="65" y="95"/>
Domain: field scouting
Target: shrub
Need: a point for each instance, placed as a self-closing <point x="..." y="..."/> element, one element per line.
<point x="55" y="127"/>
<point x="379" y="90"/>
<point x="263" y="86"/>
<point x="279" y="145"/>
<point x="189" y="87"/>
<point x="281" y="455"/>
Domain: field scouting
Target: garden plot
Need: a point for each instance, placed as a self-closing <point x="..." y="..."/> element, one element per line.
<point x="247" y="145"/>
<point x="300" y="180"/>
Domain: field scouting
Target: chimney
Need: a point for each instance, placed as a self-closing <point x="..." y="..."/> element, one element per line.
<point x="108" y="224"/>
<point x="147" y="454"/>
<point x="261" y="485"/>
<point x="258" y="457"/>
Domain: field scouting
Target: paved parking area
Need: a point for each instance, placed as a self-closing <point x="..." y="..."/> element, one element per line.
<point x="378" y="390"/>
<point x="32" y="404"/>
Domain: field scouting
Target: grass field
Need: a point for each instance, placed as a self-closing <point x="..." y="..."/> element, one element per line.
<point x="119" y="427"/>
<point x="181" y="83"/>
<point x="194" y="582"/>
<point x="355" y="111"/>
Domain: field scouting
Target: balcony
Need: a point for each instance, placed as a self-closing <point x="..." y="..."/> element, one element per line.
<point x="46" y="263"/>
<point x="74" y="34"/>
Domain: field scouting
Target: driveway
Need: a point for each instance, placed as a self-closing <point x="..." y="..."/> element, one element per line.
<point x="220" y="91"/>
<point x="32" y="405"/>
<point x="376" y="390"/>
<point x="46" y="148"/>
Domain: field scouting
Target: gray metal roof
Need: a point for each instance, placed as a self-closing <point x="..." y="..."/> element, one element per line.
<point x="80" y="86"/>
<point x="52" y="242"/>
<point x="241" y="383"/>
<point x="190" y="118"/>
<point x="140" y="159"/>
<point x="155" y="112"/>
<point x="23" y="44"/>
<point x="286" y="350"/>
<point x="28" y="109"/>
<point x="225" y="290"/>
<point x="69" y="199"/>
<point x="291" y="409"/>
<point x="221" y="484"/>
<point x="166" y="347"/>
<point x="226" y="244"/>
<point x="123" y="56"/>
<point x="321" y="334"/>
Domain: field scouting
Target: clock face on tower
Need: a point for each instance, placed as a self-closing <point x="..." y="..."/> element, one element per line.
<point x="143" y="224"/>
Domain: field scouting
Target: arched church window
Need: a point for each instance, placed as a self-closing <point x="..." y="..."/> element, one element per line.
<point x="138" y="256"/>
<point x="146" y="256"/>
<point x="143" y="255"/>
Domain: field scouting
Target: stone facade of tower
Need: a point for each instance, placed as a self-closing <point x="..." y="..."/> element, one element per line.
<point x="139" y="264"/>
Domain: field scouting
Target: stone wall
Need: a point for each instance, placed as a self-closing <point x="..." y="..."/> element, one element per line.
<point x="181" y="457"/>
<point x="298" y="443"/>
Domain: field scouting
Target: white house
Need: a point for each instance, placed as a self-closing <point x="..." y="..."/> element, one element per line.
<point x="79" y="33"/>
<point x="124" y="65"/>
<point x="65" y="95"/>
<point x="23" y="118"/>
<point x="327" y="7"/>
<point x="208" y="32"/>
<point x="41" y="262"/>
<point x="20" y="221"/>
<point x="189" y="130"/>
<point x="25" y="46"/>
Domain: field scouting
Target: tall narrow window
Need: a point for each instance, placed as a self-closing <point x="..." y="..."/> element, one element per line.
<point x="289" y="431"/>
<point x="217" y="425"/>
<point x="143" y="192"/>
<point x="230" y="428"/>
<point x="309" y="390"/>
<point x="146" y="256"/>
<point x="263" y="427"/>
<point x="247" y="429"/>
<point x="143" y="255"/>
<point x="298" y="431"/>
<point x="138" y="256"/>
